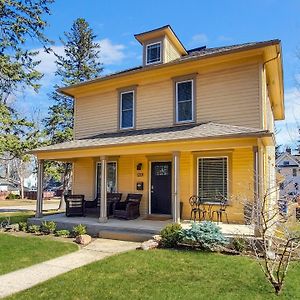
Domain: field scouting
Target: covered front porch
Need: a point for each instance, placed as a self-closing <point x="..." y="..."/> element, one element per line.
<point x="166" y="167"/>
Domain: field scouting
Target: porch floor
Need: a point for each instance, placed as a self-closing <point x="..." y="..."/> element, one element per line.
<point x="139" y="226"/>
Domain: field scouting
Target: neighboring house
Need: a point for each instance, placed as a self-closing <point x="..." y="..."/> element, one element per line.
<point x="186" y="122"/>
<point x="31" y="181"/>
<point x="288" y="165"/>
<point x="8" y="185"/>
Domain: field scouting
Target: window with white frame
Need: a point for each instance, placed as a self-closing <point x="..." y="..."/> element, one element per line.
<point x="127" y="110"/>
<point x="212" y="178"/>
<point x="185" y="101"/>
<point x="111" y="178"/>
<point x="153" y="53"/>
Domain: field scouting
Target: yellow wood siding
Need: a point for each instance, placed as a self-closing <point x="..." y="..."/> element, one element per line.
<point x="84" y="178"/>
<point x="230" y="96"/>
<point x="96" y="114"/>
<point x="170" y="52"/>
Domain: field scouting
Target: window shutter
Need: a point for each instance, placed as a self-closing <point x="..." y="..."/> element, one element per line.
<point x="212" y="178"/>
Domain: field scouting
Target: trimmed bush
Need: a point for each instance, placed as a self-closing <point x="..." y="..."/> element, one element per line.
<point x="62" y="233"/>
<point x="33" y="228"/>
<point x="48" y="227"/>
<point x="22" y="226"/>
<point x="79" y="230"/>
<point x="205" y="235"/>
<point x="171" y="235"/>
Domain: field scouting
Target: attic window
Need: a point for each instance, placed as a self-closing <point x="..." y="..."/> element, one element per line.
<point x="153" y="53"/>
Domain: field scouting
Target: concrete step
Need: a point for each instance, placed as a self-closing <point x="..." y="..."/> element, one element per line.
<point x="124" y="235"/>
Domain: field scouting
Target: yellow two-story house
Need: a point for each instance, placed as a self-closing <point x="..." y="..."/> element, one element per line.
<point x="186" y="122"/>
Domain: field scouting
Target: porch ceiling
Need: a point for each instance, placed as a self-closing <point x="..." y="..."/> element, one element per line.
<point x="184" y="133"/>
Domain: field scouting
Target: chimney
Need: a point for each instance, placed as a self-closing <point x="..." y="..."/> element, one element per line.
<point x="288" y="150"/>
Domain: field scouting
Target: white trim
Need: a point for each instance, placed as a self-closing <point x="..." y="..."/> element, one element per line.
<point x="160" y="53"/>
<point x="121" y="109"/>
<point x="176" y="100"/>
<point x="99" y="163"/>
<point x="150" y="174"/>
<point x="203" y="157"/>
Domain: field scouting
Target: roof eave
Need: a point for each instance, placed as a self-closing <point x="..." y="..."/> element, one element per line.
<point x="263" y="134"/>
<point x="65" y="90"/>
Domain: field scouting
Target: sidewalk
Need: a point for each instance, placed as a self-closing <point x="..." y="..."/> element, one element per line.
<point x="25" y="278"/>
<point x="29" y="207"/>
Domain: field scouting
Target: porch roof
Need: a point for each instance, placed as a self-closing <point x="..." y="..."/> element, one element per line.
<point x="167" y="134"/>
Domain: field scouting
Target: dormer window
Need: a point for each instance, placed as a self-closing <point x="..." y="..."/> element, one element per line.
<point x="153" y="53"/>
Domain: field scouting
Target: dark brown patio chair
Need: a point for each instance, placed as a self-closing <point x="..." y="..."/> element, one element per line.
<point x="197" y="208"/>
<point x="75" y="205"/>
<point x="94" y="206"/>
<point x="128" y="209"/>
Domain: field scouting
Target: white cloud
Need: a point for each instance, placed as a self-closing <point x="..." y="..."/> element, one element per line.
<point x="111" y="54"/>
<point x="199" y="39"/>
<point x="288" y="129"/>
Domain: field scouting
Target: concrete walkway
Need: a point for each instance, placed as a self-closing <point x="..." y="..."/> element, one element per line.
<point x="29" y="207"/>
<point x="26" y="278"/>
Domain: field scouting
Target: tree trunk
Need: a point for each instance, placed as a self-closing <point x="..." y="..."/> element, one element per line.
<point x="65" y="186"/>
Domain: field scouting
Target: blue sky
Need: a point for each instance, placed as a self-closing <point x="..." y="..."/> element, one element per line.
<point x="211" y="23"/>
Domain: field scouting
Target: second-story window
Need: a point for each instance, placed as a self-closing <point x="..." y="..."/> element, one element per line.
<point x="184" y="101"/>
<point x="153" y="53"/>
<point x="127" y="110"/>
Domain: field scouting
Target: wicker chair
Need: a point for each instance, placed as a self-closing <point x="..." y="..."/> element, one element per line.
<point x="94" y="206"/>
<point x="128" y="209"/>
<point x="75" y="205"/>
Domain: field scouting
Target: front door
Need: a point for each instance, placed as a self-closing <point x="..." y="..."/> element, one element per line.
<point x="161" y="187"/>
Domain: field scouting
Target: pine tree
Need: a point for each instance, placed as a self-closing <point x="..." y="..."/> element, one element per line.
<point x="80" y="62"/>
<point x="20" y="20"/>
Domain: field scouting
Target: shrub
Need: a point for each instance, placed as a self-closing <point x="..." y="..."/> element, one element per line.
<point x="205" y="235"/>
<point x="171" y="235"/>
<point x="63" y="233"/>
<point x="79" y="230"/>
<point x="22" y="226"/>
<point x="12" y="196"/>
<point x="33" y="228"/>
<point x="48" y="227"/>
<point x="239" y="244"/>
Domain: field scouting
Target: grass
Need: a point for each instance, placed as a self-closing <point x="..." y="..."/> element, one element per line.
<point x="16" y="217"/>
<point x="19" y="252"/>
<point x="165" y="274"/>
<point x="24" y="202"/>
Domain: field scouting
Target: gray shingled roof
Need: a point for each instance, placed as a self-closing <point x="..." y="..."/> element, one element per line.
<point x="192" y="54"/>
<point x="175" y="133"/>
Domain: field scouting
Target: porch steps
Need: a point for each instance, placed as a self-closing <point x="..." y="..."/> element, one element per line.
<point x="125" y="235"/>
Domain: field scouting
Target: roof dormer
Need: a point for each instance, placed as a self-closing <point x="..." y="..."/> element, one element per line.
<point x="160" y="45"/>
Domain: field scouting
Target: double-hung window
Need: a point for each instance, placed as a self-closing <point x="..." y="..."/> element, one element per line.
<point x="127" y="110"/>
<point x="153" y="53"/>
<point x="184" y="101"/>
<point x="212" y="178"/>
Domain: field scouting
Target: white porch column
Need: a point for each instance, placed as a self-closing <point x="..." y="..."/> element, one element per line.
<point x="176" y="188"/>
<point x="103" y="202"/>
<point x="40" y="184"/>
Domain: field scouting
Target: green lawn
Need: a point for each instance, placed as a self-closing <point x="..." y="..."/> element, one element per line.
<point x="16" y="217"/>
<point x="165" y="274"/>
<point x="19" y="252"/>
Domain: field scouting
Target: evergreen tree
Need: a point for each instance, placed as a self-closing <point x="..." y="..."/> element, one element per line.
<point x="80" y="62"/>
<point x="20" y="20"/>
